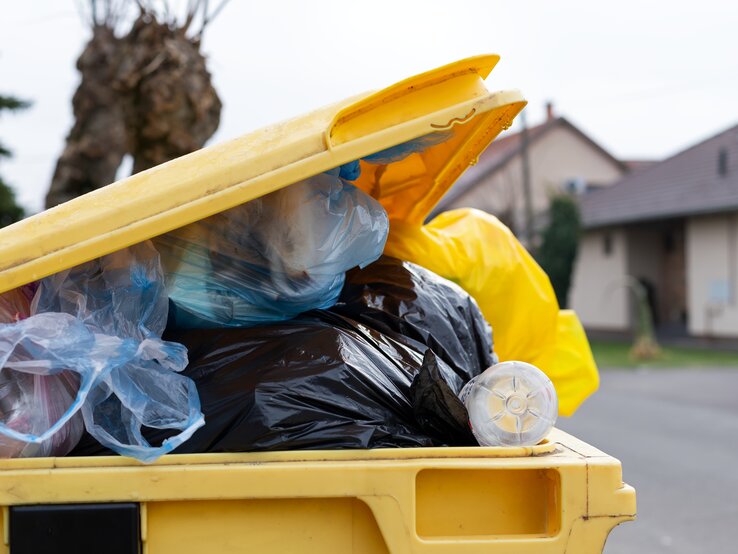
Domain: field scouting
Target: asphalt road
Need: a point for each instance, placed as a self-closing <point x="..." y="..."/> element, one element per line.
<point x="676" y="433"/>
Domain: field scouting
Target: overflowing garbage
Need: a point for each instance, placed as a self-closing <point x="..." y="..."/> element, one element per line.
<point x="346" y="377"/>
<point x="88" y="348"/>
<point x="275" y="325"/>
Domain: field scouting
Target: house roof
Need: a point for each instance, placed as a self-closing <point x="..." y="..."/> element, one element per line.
<point x="505" y="149"/>
<point x="639" y="165"/>
<point x="688" y="183"/>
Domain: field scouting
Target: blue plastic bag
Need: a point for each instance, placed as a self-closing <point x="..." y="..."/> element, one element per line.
<point x="352" y="171"/>
<point x="272" y="258"/>
<point x="46" y="374"/>
<point x="103" y="321"/>
<point x="405" y="149"/>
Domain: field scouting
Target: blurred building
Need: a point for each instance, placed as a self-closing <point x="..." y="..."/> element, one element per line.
<point x="560" y="158"/>
<point x="674" y="228"/>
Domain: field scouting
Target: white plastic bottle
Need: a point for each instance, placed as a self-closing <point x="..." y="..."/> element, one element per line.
<point x="510" y="404"/>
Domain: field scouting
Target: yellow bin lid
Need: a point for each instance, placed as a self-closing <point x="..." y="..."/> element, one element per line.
<point x="452" y="99"/>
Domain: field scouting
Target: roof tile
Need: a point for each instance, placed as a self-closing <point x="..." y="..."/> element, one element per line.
<point x="687" y="183"/>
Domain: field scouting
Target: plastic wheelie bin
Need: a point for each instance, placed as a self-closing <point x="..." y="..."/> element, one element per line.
<point x="559" y="496"/>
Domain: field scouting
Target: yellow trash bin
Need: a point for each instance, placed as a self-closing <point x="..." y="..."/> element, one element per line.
<point x="559" y="496"/>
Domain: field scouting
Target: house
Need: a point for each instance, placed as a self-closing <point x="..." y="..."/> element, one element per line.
<point x="673" y="227"/>
<point x="560" y="158"/>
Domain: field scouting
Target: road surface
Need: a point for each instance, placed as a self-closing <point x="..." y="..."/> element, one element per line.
<point x="676" y="433"/>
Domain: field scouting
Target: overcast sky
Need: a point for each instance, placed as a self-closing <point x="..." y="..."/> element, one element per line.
<point x="643" y="78"/>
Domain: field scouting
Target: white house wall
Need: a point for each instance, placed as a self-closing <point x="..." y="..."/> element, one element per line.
<point x="558" y="156"/>
<point x="598" y="293"/>
<point x="563" y="154"/>
<point x="712" y="275"/>
<point x="500" y="193"/>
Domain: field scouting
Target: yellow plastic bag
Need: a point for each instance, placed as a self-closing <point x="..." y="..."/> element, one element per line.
<point x="476" y="251"/>
<point x="573" y="369"/>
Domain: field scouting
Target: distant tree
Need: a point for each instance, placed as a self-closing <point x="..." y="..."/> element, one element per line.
<point x="10" y="211"/>
<point x="145" y="91"/>
<point x="559" y="247"/>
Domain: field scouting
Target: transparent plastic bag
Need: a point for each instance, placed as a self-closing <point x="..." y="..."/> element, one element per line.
<point x="145" y="391"/>
<point x="31" y="404"/>
<point x="15" y="304"/>
<point x="122" y="294"/>
<point x="272" y="258"/>
<point x="32" y="401"/>
<point x="101" y="321"/>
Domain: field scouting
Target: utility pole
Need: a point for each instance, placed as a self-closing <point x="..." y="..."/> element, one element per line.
<point x="527" y="194"/>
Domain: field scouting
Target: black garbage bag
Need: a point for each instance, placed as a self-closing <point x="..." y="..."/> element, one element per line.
<point x="436" y="405"/>
<point x="321" y="382"/>
<point x="402" y="298"/>
<point x="363" y="375"/>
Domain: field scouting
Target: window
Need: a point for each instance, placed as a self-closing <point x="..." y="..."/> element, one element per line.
<point x="723" y="162"/>
<point x="575" y="185"/>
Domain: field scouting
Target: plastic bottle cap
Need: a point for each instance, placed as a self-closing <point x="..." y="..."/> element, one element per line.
<point x="510" y="404"/>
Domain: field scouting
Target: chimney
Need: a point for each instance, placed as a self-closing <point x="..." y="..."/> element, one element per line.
<point x="549" y="111"/>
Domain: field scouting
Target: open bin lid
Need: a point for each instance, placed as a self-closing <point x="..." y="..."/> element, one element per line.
<point x="451" y="99"/>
